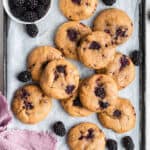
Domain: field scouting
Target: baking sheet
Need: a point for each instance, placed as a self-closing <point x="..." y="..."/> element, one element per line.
<point x="19" y="45"/>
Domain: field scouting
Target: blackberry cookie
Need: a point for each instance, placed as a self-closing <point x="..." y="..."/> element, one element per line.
<point x="68" y="37"/>
<point x="95" y="50"/>
<point x="39" y="58"/>
<point x="86" y="136"/>
<point x="30" y="105"/>
<point x="74" y="107"/>
<point x="116" y="23"/>
<point x="78" y="9"/>
<point x="120" y="117"/>
<point x="122" y="70"/>
<point x="98" y="92"/>
<point x="60" y="79"/>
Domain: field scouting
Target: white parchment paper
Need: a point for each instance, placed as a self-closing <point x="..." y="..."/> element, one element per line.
<point x="19" y="45"/>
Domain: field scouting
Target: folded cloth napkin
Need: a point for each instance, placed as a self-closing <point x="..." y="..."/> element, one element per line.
<point x="21" y="139"/>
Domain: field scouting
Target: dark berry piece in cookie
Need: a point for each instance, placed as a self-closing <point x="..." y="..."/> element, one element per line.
<point x="24" y="76"/>
<point x="24" y="94"/>
<point x="30" y="16"/>
<point x="94" y="45"/>
<point x="31" y="4"/>
<point x="41" y="11"/>
<point x="109" y="2"/>
<point x="117" y="113"/>
<point x="103" y="105"/>
<point x="124" y="62"/>
<point x="45" y="2"/>
<point x="78" y="2"/>
<point x="32" y="30"/>
<point x="111" y="144"/>
<point x="18" y="3"/>
<point x="127" y="142"/>
<point x="90" y="134"/>
<point x="28" y="105"/>
<point x="100" y="91"/>
<point x="59" y="128"/>
<point x="121" y="32"/>
<point x="72" y="34"/>
<point x="77" y="102"/>
<point x="136" y="57"/>
<point x="61" y="69"/>
<point x="69" y="89"/>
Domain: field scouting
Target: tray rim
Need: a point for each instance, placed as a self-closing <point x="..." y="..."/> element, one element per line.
<point x="142" y="47"/>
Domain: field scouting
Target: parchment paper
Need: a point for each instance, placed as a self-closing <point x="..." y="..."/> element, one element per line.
<point x="19" y="45"/>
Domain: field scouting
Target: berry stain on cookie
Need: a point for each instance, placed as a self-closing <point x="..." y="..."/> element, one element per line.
<point x="117" y="113"/>
<point x="77" y="2"/>
<point x="95" y="45"/>
<point x="121" y="32"/>
<point x="103" y="105"/>
<point x="90" y="135"/>
<point x="72" y="34"/>
<point x="77" y="102"/>
<point x="69" y="89"/>
<point x="124" y="62"/>
<point x="100" y="91"/>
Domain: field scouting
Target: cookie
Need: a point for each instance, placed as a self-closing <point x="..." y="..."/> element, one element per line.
<point x="116" y="23"/>
<point x="60" y="79"/>
<point x="39" y="58"/>
<point x="74" y="107"/>
<point x="68" y="37"/>
<point x="30" y="105"/>
<point x="98" y="92"/>
<point x="86" y="136"/>
<point x="122" y="70"/>
<point x="95" y="50"/>
<point x="78" y="9"/>
<point x="120" y="117"/>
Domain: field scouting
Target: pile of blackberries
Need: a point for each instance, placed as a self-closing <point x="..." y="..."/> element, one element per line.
<point x="29" y="10"/>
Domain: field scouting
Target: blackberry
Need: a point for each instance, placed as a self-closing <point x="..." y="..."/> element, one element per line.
<point x="136" y="57"/>
<point x="30" y="16"/>
<point x="59" y="128"/>
<point x="24" y="76"/>
<point x="18" y="11"/>
<point x="18" y="3"/>
<point x="109" y="2"/>
<point x="32" y="30"/>
<point x="31" y="4"/>
<point x="45" y="2"/>
<point x="41" y="11"/>
<point x="127" y="142"/>
<point x="111" y="144"/>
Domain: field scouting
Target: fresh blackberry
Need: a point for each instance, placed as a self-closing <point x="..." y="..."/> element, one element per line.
<point x="24" y="76"/>
<point x="41" y="11"/>
<point x="32" y="30"/>
<point x="45" y="2"/>
<point x="59" y="128"/>
<point x="136" y="57"/>
<point x="127" y="142"/>
<point x="18" y="11"/>
<point x="109" y="2"/>
<point x="18" y="3"/>
<point x="31" y="4"/>
<point x="30" y="16"/>
<point x="111" y="144"/>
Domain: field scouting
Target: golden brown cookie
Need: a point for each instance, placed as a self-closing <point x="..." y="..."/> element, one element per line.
<point x="122" y="70"/>
<point x="98" y="92"/>
<point x="30" y="105"/>
<point x="74" y="107"/>
<point x="95" y="50"/>
<point x="78" y="9"/>
<point x="39" y="58"/>
<point x="68" y="37"/>
<point x="116" y="23"/>
<point x="86" y="136"/>
<point x="60" y="79"/>
<point x="120" y="117"/>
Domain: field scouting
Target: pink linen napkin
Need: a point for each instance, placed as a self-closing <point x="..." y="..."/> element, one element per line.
<point x="21" y="139"/>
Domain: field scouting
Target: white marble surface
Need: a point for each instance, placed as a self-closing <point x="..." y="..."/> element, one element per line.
<point x="21" y="60"/>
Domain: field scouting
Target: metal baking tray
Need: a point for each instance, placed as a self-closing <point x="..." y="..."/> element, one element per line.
<point x="142" y="69"/>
